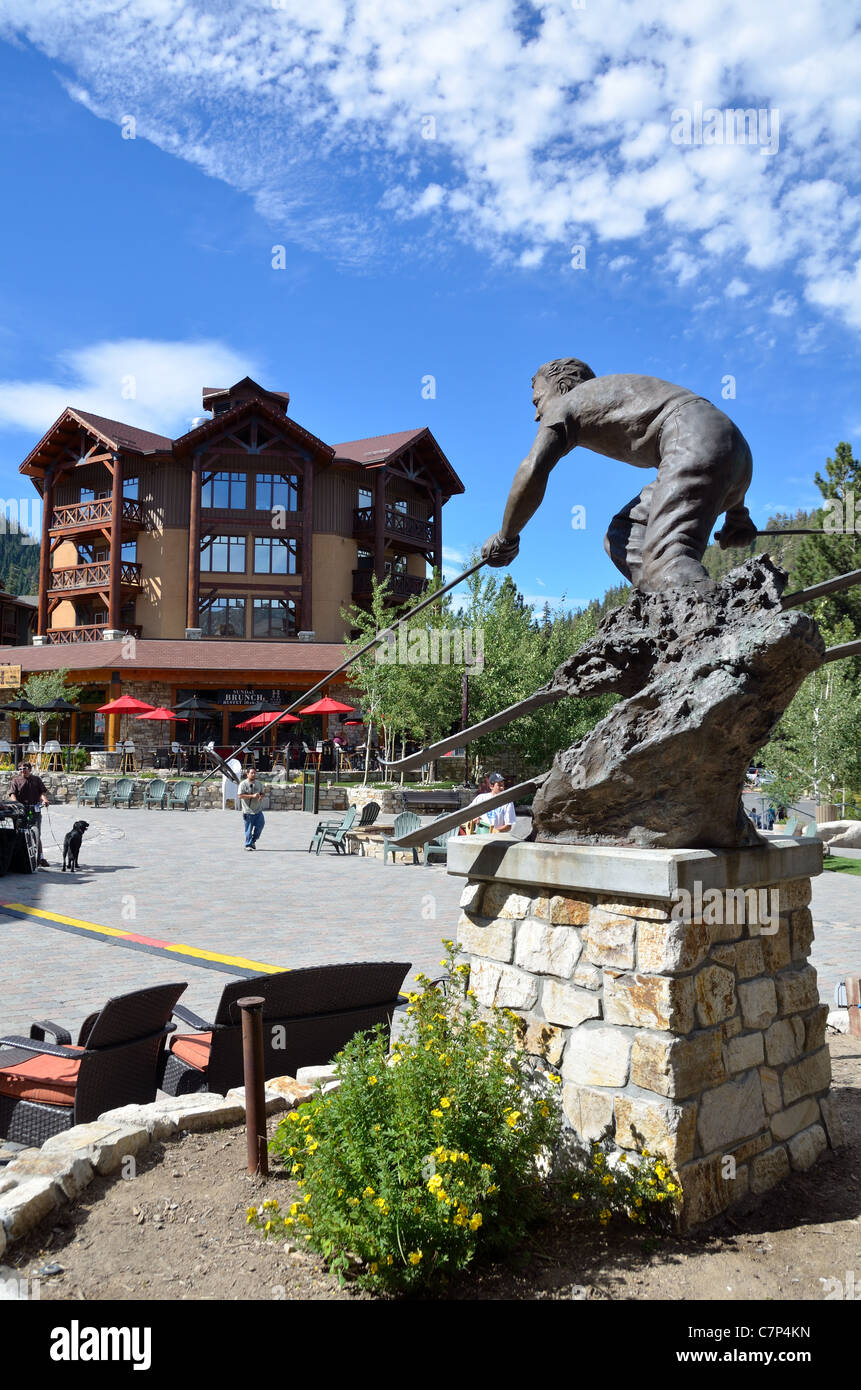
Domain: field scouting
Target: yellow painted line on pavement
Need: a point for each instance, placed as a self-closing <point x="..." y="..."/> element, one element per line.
<point x="147" y="942"/>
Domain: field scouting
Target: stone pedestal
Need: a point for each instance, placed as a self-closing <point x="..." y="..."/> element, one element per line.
<point x="671" y="990"/>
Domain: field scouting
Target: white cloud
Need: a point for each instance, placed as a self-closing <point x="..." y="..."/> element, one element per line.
<point x="154" y="385"/>
<point x="783" y="305"/>
<point x="736" y="288"/>
<point x="620" y="263"/>
<point x="544" y="137"/>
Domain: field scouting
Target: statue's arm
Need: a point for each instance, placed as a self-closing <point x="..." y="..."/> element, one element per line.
<point x="526" y="495"/>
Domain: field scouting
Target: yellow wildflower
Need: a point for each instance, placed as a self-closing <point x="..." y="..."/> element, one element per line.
<point x="368" y="1192"/>
<point x="445" y="1103"/>
<point x="437" y="1114"/>
<point x="475" y="1221"/>
<point x="415" y="1257"/>
<point x="512" y="1118"/>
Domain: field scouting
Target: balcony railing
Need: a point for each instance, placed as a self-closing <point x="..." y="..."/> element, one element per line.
<point x="401" y="586"/>
<point x="80" y="516"/>
<point x="87" y="632"/>
<point x="96" y="575"/>
<point x="398" y="525"/>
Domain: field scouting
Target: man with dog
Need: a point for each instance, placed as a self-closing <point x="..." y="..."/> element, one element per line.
<point x="31" y="791"/>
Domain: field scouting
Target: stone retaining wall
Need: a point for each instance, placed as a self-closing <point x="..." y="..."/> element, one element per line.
<point x="282" y="797"/>
<point x="700" y="1040"/>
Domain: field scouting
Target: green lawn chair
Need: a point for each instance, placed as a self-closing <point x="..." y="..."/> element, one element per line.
<point x="89" y="790"/>
<point x="327" y="833"/>
<point x="791" y="826"/>
<point x="178" y="794"/>
<point x="121" y="793"/>
<point x="436" y="848"/>
<point x="404" y="824"/>
<point x="155" y="792"/>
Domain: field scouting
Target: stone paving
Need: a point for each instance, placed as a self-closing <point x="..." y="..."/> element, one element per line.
<point x="186" y="878"/>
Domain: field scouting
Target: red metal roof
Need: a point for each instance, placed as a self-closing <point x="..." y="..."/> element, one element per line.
<point x="180" y="655"/>
<point x="125" y="436"/>
<point x="378" y="448"/>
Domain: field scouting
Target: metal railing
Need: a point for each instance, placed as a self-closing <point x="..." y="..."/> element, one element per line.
<point x="86" y="632"/>
<point x="409" y="528"/>
<point x="401" y="586"/>
<point x="98" y="512"/>
<point x="96" y="575"/>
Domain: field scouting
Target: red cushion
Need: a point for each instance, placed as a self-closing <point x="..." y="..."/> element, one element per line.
<point x="192" y="1048"/>
<point x="51" y="1080"/>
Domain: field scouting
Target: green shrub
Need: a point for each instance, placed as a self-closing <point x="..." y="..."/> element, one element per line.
<point x="637" y="1186"/>
<point x="419" y="1161"/>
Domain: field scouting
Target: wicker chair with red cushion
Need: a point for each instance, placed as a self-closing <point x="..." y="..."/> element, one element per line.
<point x="48" y="1087"/>
<point x="308" y="1016"/>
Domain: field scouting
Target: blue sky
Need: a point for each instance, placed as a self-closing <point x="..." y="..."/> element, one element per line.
<point x="428" y="171"/>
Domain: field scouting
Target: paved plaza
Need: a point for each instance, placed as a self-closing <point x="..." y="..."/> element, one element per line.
<point x="184" y="879"/>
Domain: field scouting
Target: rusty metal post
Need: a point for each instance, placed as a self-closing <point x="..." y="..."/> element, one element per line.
<point x="853" y="1004"/>
<point x="255" y="1100"/>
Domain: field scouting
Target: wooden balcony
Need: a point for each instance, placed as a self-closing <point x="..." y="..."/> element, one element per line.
<point x="402" y="587"/>
<point x="87" y="632"/>
<point x="78" y="518"/>
<point x="409" y="531"/>
<point x="95" y="576"/>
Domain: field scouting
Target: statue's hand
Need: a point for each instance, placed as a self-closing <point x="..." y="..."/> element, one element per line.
<point x="741" y="532"/>
<point x="498" y="550"/>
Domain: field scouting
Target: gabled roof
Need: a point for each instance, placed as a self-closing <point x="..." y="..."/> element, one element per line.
<point x="112" y="433"/>
<point x="384" y="448"/>
<point x="378" y="448"/>
<point x="126" y="436"/>
<point x="213" y="393"/>
<point x="224" y="423"/>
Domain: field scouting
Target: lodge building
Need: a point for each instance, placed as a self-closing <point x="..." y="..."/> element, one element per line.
<point x="228" y="553"/>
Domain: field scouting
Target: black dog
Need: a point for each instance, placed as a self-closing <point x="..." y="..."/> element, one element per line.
<point x="72" y="844"/>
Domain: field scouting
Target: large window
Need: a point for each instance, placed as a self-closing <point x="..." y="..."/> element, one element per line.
<point x="227" y="491"/>
<point x="274" y="617"/>
<point x="277" y="490"/>
<point x="274" y="555"/>
<point x="222" y="554"/>
<point x="130" y="488"/>
<point x="223" y="617"/>
<point x="366" y="498"/>
<point x="364" y="560"/>
<point x="130" y="550"/>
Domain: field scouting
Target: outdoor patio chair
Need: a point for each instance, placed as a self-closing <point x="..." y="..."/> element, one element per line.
<point x="155" y="792"/>
<point x="329" y="832"/>
<point x="178" y="794"/>
<point x="370" y="811"/>
<point x="121" y="793"/>
<point x="308" y="1016"/>
<point x="90" y="790"/>
<point x="48" y="1087"/>
<point x="437" y="847"/>
<point x="404" y="824"/>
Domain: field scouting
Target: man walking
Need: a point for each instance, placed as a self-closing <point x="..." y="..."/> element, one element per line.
<point x="703" y="467"/>
<point x="31" y="791"/>
<point x="251" y="799"/>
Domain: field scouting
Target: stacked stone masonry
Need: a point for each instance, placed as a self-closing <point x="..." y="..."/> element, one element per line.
<point x="702" y="1041"/>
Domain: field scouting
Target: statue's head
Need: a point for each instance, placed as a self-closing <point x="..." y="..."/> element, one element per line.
<point x="556" y="379"/>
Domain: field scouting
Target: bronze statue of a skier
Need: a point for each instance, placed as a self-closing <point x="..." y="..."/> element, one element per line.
<point x="703" y="460"/>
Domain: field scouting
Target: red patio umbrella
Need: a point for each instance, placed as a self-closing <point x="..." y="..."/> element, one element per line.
<point x="161" y="713"/>
<point x="259" y="721"/>
<point x="327" y="706"/>
<point x="126" y="704"/>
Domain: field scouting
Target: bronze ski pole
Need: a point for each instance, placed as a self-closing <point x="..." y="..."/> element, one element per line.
<point x="374" y="642"/>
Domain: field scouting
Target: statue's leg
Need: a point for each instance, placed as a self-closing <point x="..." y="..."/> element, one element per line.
<point x="705" y="461"/>
<point x="626" y="533"/>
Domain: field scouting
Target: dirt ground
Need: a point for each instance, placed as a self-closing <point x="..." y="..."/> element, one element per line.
<point x="178" y="1231"/>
